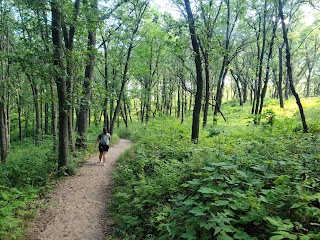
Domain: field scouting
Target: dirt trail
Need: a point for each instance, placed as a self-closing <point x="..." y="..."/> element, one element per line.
<point x="77" y="206"/>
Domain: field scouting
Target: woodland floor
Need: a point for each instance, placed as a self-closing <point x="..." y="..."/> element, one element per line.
<point x="76" y="209"/>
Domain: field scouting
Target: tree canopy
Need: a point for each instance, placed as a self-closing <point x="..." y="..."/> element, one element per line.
<point x="66" y="62"/>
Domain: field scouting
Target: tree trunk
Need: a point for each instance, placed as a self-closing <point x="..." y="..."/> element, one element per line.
<point x="19" y="118"/>
<point x="4" y="148"/>
<point x="280" y="78"/>
<point x="106" y="83"/>
<point x="207" y="89"/>
<point x="261" y="57"/>
<point x="141" y="10"/>
<point x="46" y="118"/>
<point x="225" y="63"/>
<point x="237" y="81"/>
<point x="61" y="85"/>
<point x="264" y="89"/>
<point x="123" y="84"/>
<point x="36" y="108"/>
<point x="289" y="69"/>
<point x="183" y="107"/>
<point x="83" y="119"/>
<point x="197" y="60"/>
<point x="308" y="80"/>
<point x="54" y="124"/>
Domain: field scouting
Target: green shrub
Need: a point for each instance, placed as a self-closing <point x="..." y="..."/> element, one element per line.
<point x="251" y="182"/>
<point x="16" y="207"/>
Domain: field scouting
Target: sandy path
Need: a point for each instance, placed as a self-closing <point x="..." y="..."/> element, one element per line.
<point x="77" y="206"/>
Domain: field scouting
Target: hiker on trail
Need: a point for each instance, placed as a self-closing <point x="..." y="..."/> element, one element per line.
<point x="104" y="142"/>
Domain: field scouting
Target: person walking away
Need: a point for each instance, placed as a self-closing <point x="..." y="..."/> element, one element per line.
<point x="104" y="141"/>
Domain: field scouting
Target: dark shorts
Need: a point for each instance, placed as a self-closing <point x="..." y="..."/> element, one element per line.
<point x="103" y="148"/>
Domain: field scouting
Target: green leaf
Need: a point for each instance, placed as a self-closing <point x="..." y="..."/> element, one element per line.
<point x="189" y="202"/>
<point x="195" y="182"/>
<point x="209" y="169"/>
<point x="221" y="203"/>
<point x="241" y="235"/>
<point x="274" y="222"/>
<point x="285" y="225"/>
<point x="208" y="225"/>
<point x="224" y="236"/>
<point x="263" y="199"/>
<point x="277" y="237"/>
<point x="190" y="235"/>
<point x="219" y="164"/>
<point x="305" y="237"/>
<point x="207" y="190"/>
<point x="296" y="205"/>
<point x="198" y="211"/>
<point x="5" y="196"/>
<point x="260" y="168"/>
<point x="286" y="235"/>
<point x="217" y="230"/>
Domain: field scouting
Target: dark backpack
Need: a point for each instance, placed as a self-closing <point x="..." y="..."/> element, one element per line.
<point x="104" y="139"/>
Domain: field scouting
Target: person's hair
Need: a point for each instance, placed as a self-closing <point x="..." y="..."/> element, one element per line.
<point x="105" y="130"/>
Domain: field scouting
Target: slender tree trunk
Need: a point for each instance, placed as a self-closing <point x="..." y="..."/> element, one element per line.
<point x="183" y="107"/>
<point x="141" y="10"/>
<point x="69" y="40"/>
<point x="61" y="85"/>
<point x="287" y="88"/>
<point x="106" y="84"/>
<point x="264" y="89"/>
<point x="111" y="111"/>
<point x="179" y="100"/>
<point x="225" y="63"/>
<point x="46" y="118"/>
<point x="84" y="113"/>
<point x="207" y="89"/>
<point x="261" y="57"/>
<point x="3" y="132"/>
<point x="19" y="118"/>
<point x="308" y="80"/>
<point x="148" y="103"/>
<point x="54" y="124"/>
<point x="237" y="81"/>
<point x="123" y="84"/>
<point x="36" y="102"/>
<point x="280" y="77"/>
<point x="197" y="60"/>
<point x="289" y="69"/>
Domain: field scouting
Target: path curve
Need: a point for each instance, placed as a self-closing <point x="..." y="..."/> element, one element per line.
<point x="77" y="206"/>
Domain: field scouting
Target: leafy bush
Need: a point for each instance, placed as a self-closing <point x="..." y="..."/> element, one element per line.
<point x="15" y="206"/>
<point x="29" y="172"/>
<point x="251" y="182"/>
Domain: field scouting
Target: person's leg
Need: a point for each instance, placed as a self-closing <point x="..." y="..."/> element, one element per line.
<point x="100" y="152"/>
<point x="104" y="158"/>
<point x="104" y="154"/>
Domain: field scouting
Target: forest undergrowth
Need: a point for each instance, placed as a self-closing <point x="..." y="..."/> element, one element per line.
<point x="28" y="175"/>
<point x="242" y="181"/>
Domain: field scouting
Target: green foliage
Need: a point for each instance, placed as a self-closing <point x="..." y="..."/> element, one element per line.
<point x="28" y="168"/>
<point x="268" y="117"/>
<point x="15" y="206"/>
<point x="28" y="173"/>
<point x="251" y="182"/>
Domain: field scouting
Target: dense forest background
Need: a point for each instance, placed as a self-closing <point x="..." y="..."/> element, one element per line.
<point x="68" y="68"/>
